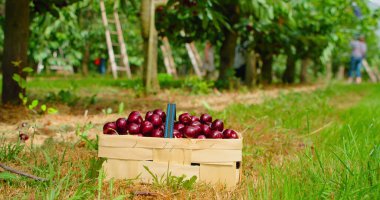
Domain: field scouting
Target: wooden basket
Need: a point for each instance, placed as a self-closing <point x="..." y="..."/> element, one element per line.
<point x="211" y="160"/>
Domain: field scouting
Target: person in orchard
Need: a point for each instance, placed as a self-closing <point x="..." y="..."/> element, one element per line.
<point x="359" y="49"/>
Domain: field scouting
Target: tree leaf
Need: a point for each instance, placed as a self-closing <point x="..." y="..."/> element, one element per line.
<point x="17" y="78"/>
<point x="27" y="69"/>
<point x="43" y="107"/>
<point x="52" y="111"/>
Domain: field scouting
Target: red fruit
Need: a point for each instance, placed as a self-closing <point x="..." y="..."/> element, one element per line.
<point x="206" y="118"/>
<point x="23" y="137"/>
<point x="156" y="120"/>
<point x="161" y="113"/>
<point x="228" y="133"/>
<point x="234" y="136"/>
<point x="121" y="126"/>
<point x="148" y="114"/>
<point x="157" y="133"/>
<point x="185" y="118"/>
<point x="135" y="117"/>
<point x="201" y="137"/>
<point x="146" y="128"/>
<point x="191" y="131"/>
<point x="198" y="130"/>
<point x="139" y="135"/>
<point x="133" y="128"/>
<point x="195" y="123"/>
<point x="216" y="134"/>
<point x="194" y="118"/>
<point x="208" y="124"/>
<point x="110" y="128"/>
<point x="178" y="126"/>
<point x="205" y="130"/>
<point x="177" y="134"/>
<point x="162" y="127"/>
<point x="217" y="125"/>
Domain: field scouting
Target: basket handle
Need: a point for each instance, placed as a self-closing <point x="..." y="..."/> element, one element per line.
<point x="170" y="118"/>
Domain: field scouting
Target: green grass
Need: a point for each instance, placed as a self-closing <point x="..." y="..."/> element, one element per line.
<point x="319" y="145"/>
<point x="342" y="161"/>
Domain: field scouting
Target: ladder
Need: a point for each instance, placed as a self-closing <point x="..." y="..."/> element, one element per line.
<point x="168" y="57"/>
<point x="119" y="62"/>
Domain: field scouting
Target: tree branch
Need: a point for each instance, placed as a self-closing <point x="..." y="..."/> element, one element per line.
<point x="21" y="173"/>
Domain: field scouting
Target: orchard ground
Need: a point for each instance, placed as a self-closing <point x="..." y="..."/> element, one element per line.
<point x="299" y="142"/>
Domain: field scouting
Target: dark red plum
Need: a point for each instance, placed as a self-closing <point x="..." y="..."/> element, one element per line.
<point x="156" y="120"/>
<point x="216" y="134"/>
<point x="185" y="118"/>
<point x="217" y="125"/>
<point x="146" y="128"/>
<point x="178" y="126"/>
<point x="161" y="113"/>
<point x="190" y="131"/>
<point x="110" y="128"/>
<point x="157" y="133"/>
<point x="133" y="129"/>
<point x="177" y="134"/>
<point x="148" y="114"/>
<point x="205" y="130"/>
<point x="201" y="137"/>
<point x="121" y="125"/>
<point x="206" y="118"/>
<point x="194" y="118"/>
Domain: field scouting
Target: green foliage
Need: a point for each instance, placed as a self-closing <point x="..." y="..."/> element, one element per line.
<point x="173" y="182"/>
<point x="196" y="86"/>
<point x="10" y="151"/>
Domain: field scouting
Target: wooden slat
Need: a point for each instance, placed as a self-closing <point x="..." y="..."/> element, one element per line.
<point x="224" y="174"/>
<point x="159" y="143"/>
<point x="215" y="156"/>
<point x="172" y="156"/>
<point x="121" y="169"/>
<point x="126" y="153"/>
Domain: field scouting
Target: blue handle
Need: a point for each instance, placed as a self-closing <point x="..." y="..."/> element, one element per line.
<point x="170" y="118"/>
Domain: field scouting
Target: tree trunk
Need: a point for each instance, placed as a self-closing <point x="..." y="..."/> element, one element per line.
<point x="86" y="59"/>
<point x="267" y="69"/>
<point x="289" y="73"/>
<point x="304" y="65"/>
<point x="250" y="70"/>
<point x="149" y="35"/>
<point x="227" y="50"/>
<point x="16" y="33"/>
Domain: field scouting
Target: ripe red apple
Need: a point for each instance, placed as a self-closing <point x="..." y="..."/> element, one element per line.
<point x="217" y="125"/>
<point x="216" y="134"/>
<point x="190" y="131"/>
<point x="195" y="123"/>
<point x="121" y="125"/>
<point x="194" y="118"/>
<point x="206" y="118"/>
<point x="201" y="137"/>
<point x="148" y="114"/>
<point x="228" y="133"/>
<point x="156" y="120"/>
<point x="110" y="128"/>
<point x="157" y="133"/>
<point x="135" y="117"/>
<point x="177" y="134"/>
<point x="178" y="126"/>
<point x="161" y="113"/>
<point x="185" y="118"/>
<point x="205" y="130"/>
<point x="133" y="128"/>
<point x="23" y="137"/>
<point x="146" y="128"/>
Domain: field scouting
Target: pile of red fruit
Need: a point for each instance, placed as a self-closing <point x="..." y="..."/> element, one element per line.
<point x="187" y="126"/>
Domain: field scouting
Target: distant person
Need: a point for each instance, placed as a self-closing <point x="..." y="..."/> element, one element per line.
<point x="359" y="49"/>
<point x="240" y="62"/>
<point x="208" y="63"/>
